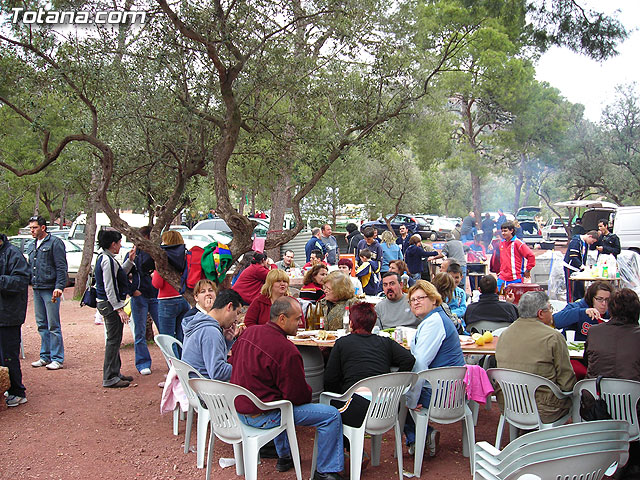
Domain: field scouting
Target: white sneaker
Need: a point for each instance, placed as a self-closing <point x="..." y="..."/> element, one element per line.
<point x="39" y="363"/>
<point x="145" y="371"/>
<point x="54" y="365"/>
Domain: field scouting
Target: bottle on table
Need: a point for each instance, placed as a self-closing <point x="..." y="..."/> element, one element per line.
<point x="405" y="282"/>
<point x="345" y="320"/>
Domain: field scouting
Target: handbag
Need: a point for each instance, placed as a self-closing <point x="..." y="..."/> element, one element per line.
<point x="593" y="408"/>
<point x="89" y="297"/>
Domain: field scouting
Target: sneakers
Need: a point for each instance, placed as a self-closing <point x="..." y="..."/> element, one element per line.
<point x="54" y="365"/>
<point x="15" y="400"/>
<point x="411" y="448"/>
<point x="39" y="363"/>
<point x="433" y="442"/>
<point x="145" y="371"/>
<point x="284" y="464"/>
<point x="126" y="378"/>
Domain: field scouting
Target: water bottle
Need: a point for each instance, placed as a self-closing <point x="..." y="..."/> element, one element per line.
<point x="345" y="320"/>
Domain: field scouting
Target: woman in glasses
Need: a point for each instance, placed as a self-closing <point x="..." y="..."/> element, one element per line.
<point x="590" y="310"/>
<point x="436" y="344"/>
<point x="581" y="315"/>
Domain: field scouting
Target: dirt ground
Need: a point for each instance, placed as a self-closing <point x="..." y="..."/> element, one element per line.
<point x="73" y="428"/>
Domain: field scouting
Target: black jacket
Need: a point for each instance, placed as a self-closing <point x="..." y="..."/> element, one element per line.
<point x="14" y="283"/>
<point x="490" y="308"/>
<point x="610" y="244"/>
<point x="352" y="241"/>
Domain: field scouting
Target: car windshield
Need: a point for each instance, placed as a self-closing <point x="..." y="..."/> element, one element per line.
<point x="526" y="213"/>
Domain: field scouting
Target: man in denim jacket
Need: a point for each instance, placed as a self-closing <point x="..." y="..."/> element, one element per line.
<point x="48" y="277"/>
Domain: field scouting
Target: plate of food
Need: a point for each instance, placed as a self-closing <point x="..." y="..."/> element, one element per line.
<point x="324" y="336"/>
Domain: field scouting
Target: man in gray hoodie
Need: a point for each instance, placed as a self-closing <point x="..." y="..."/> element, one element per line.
<point x="208" y="337"/>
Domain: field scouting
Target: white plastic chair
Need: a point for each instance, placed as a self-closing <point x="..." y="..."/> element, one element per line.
<point x="166" y="343"/>
<point x="486" y="326"/>
<point x="559" y="452"/>
<point x="553" y="438"/>
<point x="382" y="415"/>
<point x="448" y="405"/>
<point x="621" y="397"/>
<point x="519" y="393"/>
<point x="183" y="370"/>
<point x="225" y="424"/>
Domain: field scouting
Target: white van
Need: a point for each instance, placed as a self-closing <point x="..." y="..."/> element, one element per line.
<point x="627" y="227"/>
<point x="76" y="232"/>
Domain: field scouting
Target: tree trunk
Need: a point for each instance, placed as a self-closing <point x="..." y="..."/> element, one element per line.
<point x="86" y="263"/>
<point x="280" y="198"/>
<point x="63" y="209"/>
<point x="36" y="207"/>
<point x="476" y="194"/>
<point x="519" y="181"/>
<point x="527" y="192"/>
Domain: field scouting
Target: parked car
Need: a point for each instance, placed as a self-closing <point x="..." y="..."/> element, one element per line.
<point x="401" y="219"/>
<point x="440" y="227"/>
<point x="554" y="230"/>
<point x="21" y="241"/>
<point x="179" y="228"/>
<point x="424" y="226"/>
<point x="528" y="218"/>
<point x="211" y="224"/>
<point x="219" y="225"/>
<point x="74" y="254"/>
<point x="202" y="238"/>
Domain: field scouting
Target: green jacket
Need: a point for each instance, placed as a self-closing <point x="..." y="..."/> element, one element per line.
<point x="528" y="345"/>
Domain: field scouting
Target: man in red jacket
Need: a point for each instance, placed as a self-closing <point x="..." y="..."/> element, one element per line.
<point x="269" y="365"/>
<point x="516" y="258"/>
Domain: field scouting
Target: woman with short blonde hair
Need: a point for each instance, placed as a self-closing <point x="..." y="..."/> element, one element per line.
<point x="339" y="294"/>
<point x="428" y="289"/>
<point x="276" y="285"/>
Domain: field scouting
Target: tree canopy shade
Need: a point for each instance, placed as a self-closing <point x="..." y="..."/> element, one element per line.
<point x="289" y="85"/>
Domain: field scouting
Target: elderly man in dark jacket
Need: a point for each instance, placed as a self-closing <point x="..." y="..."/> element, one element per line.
<point x="14" y="282"/>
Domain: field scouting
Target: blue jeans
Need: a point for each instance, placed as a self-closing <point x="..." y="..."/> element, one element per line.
<point x="140" y="307"/>
<point x="507" y="283"/>
<point x="409" y="425"/>
<point x="329" y="423"/>
<point x="48" y="321"/>
<point x="170" y="313"/>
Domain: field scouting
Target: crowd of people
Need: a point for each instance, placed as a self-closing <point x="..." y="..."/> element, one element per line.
<point x="223" y="342"/>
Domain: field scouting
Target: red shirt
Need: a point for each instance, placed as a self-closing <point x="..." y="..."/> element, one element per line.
<point x="251" y="280"/>
<point x="270" y="366"/>
<point x="165" y="290"/>
<point x="259" y="311"/>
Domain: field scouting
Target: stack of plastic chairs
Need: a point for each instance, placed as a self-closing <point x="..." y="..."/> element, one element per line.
<point x="580" y="451"/>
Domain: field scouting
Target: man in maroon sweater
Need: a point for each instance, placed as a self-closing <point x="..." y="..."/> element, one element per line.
<point x="271" y="367"/>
